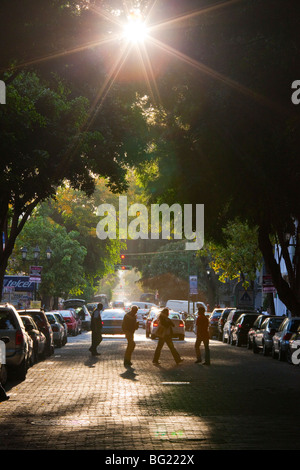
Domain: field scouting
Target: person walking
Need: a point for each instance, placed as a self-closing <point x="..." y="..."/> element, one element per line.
<point x="164" y="333"/>
<point x="129" y="325"/>
<point x="202" y="334"/>
<point x="96" y="327"/>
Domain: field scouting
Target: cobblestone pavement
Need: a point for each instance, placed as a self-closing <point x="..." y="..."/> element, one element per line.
<point x="74" y="401"/>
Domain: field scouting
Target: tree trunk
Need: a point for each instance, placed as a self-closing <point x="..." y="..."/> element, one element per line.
<point x="286" y="294"/>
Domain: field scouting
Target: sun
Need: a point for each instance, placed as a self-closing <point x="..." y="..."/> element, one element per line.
<point x="135" y="30"/>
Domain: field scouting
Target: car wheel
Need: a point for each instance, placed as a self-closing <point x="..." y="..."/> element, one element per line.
<point x="3" y="374"/>
<point x="181" y="337"/>
<point x="265" y="350"/>
<point x="21" y="370"/>
<point x="281" y="355"/>
<point x="153" y="336"/>
<point x="255" y="348"/>
<point x="224" y="339"/>
<point x="274" y="354"/>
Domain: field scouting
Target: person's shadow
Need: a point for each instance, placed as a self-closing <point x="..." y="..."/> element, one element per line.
<point x="91" y="361"/>
<point x="129" y="374"/>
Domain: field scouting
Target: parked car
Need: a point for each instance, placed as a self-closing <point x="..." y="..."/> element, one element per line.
<point x="78" y="320"/>
<point x="222" y="320"/>
<point x="254" y="328"/>
<point x="141" y="315"/>
<point x="18" y="346"/>
<point x="37" y="336"/>
<point x="263" y="337"/>
<point x="231" y="319"/>
<point x="112" y="320"/>
<point x="282" y="337"/>
<point x="70" y="321"/>
<point x="293" y="350"/>
<point x="153" y="313"/>
<point x="43" y="325"/>
<point x="61" y="320"/>
<point x="81" y="310"/>
<point x="3" y="368"/>
<point x="213" y="322"/>
<point x="57" y="328"/>
<point x="189" y="322"/>
<point x="178" y="329"/>
<point x="239" y="331"/>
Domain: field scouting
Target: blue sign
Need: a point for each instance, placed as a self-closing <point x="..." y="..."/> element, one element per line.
<point x="19" y="283"/>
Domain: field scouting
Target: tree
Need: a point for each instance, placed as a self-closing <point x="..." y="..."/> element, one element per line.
<point x="229" y="133"/>
<point x="63" y="273"/>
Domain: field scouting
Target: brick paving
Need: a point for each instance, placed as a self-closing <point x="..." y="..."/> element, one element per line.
<point x="72" y="401"/>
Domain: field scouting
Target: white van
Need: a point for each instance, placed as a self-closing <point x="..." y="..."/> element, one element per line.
<point x="182" y="305"/>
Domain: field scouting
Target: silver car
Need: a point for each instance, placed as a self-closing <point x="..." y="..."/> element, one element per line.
<point x="57" y="328"/>
<point x="282" y="337"/>
<point x="178" y="329"/>
<point x="18" y="347"/>
<point x="262" y="339"/>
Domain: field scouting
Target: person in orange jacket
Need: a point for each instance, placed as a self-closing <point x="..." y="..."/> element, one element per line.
<point x="202" y="335"/>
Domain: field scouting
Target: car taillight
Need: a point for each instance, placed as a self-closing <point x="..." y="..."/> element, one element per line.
<point x="155" y="323"/>
<point x="181" y="324"/>
<point x="19" y="338"/>
<point x="287" y="337"/>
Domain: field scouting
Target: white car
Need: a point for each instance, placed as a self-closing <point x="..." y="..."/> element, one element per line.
<point x="178" y="329"/>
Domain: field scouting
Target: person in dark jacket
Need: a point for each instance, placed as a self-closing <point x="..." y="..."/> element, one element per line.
<point x="129" y="325"/>
<point x="164" y="333"/>
<point x="202" y="325"/>
<point x="96" y="327"/>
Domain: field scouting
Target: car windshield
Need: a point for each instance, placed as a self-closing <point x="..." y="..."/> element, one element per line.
<point x="7" y="321"/>
<point x="294" y="325"/>
<point x="274" y="322"/>
<point x="174" y="316"/>
<point x="50" y="317"/>
<point x="113" y="314"/>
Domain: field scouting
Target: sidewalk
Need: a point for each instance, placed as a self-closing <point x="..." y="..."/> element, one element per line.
<point x="75" y="401"/>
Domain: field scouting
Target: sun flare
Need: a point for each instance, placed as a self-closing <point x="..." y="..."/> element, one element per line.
<point x="135" y="29"/>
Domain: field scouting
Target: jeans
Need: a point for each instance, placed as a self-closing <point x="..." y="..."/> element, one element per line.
<point x="161" y="342"/>
<point x="96" y="340"/>
<point x="206" y="346"/>
<point x="130" y="347"/>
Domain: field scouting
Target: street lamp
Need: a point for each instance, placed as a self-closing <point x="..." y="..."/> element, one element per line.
<point x="36" y="252"/>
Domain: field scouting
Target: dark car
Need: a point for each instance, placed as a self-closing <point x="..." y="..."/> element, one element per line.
<point x="213" y="322"/>
<point x="37" y="336"/>
<point x="263" y="338"/>
<point x="254" y="328"/>
<point x="43" y="325"/>
<point x="282" y="337"/>
<point x="112" y="320"/>
<point x="239" y="331"/>
<point x="222" y="321"/>
<point x="293" y="350"/>
<point x="231" y="319"/>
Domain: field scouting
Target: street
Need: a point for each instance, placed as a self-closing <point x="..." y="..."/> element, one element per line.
<point x="75" y="401"/>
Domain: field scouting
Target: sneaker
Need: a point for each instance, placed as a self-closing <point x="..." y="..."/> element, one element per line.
<point x="179" y="361"/>
<point x="156" y="363"/>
